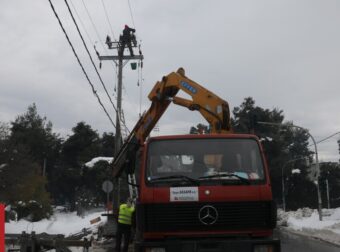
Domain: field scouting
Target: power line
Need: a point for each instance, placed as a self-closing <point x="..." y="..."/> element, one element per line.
<point x="89" y="37"/>
<point x="140" y="92"/>
<point x="133" y="22"/>
<point x="108" y="20"/>
<point x="98" y="36"/>
<point x="81" y="22"/>
<point x="140" y="84"/>
<point x="80" y="64"/>
<point x="87" y="50"/>
<point x="94" y="27"/>
<point x="322" y="140"/>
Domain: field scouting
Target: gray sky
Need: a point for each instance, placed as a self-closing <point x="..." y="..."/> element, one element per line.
<point x="283" y="53"/>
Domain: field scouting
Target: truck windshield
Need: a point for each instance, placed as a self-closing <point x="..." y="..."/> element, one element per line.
<point x="204" y="160"/>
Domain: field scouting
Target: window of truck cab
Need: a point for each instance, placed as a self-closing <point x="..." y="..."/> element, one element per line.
<point x="208" y="160"/>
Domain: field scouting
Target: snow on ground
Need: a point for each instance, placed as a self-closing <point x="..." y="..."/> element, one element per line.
<point x="59" y="223"/>
<point x="306" y="221"/>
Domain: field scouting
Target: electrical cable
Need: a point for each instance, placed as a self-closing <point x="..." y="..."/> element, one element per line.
<point x="96" y="31"/>
<point x="91" y="20"/>
<point x="140" y="82"/>
<point x="108" y="20"/>
<point x="87" y="50"/>
<point x="80" y="64"/>
<point x="81" y="22"/>
<point x="138" y="85"/>
<point x="133" y="22"/>
<point x="322" y="140"/>
<point x="124" y="124"/>
<point x="132" y="19"/>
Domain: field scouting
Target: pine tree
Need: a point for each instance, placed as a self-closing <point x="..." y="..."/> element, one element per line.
<point x="35" y="132"/>
<point x="22" y="184"/>
<point x="82" y="146"/>
<point x="107" y="144"/>
<point x="281" y="144"/>
<point x="24" y="150"/>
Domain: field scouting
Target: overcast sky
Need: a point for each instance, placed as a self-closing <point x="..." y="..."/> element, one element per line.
<point x="283" y="53"/>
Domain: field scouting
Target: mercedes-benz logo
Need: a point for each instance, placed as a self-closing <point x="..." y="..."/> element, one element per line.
<point x="208" y="215"/>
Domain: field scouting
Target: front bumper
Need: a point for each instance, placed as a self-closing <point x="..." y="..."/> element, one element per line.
<point x="210" y="245"/>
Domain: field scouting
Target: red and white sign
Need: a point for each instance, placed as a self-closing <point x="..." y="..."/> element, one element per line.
<point x="183" y="194"/>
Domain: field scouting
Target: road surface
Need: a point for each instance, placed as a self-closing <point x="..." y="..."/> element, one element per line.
<point x="291" y="242"/>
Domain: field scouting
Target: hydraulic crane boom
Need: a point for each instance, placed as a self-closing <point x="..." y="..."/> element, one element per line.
<point x="197" y="192"/>
<point x="214" y="109"/>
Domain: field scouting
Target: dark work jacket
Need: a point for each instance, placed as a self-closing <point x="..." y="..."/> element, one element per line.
<point x="127" y="34"/>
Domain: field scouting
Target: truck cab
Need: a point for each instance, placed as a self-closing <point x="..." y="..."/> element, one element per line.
<point x="204" y="193"/>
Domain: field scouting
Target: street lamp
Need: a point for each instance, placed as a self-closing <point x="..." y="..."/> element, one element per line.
<point x="282" y="179"/>
<point x="316" y="160"/>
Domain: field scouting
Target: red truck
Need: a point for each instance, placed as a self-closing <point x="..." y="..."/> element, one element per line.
<point x="197" y="192"/>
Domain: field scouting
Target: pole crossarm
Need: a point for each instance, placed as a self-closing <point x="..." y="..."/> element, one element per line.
<point x="127" y="57"/>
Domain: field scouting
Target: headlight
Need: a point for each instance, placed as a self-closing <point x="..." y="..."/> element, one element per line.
<point x="155" y="250"/>
<point x="264" y="248"/>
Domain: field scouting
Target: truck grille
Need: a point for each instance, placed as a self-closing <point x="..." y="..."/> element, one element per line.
<point x="185" y="216"/>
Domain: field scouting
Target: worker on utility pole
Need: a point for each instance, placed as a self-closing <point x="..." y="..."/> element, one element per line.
<point x="125" y="222"/>
<point x="126" y="39"/>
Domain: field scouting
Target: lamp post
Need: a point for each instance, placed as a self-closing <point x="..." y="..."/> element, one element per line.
<point x="316" y="182"/>
<point x="283" y="182"/>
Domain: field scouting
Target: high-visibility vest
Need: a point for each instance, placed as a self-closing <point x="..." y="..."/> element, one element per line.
<point x="125" y="214"/>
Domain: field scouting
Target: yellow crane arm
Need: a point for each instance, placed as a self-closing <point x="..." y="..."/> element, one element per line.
<point x="214" y="109"/>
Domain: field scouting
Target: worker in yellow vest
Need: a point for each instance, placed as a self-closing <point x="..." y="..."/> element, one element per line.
<point x="125" y="220"/>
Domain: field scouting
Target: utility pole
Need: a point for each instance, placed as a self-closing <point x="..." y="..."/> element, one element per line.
<point x="122" y="60"/>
